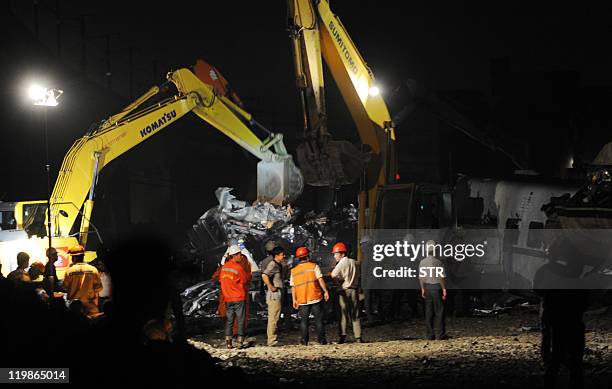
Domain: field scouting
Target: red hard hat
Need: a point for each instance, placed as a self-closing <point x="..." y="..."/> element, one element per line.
<point x="339" y="248"/>
<point x="302" y="252"/>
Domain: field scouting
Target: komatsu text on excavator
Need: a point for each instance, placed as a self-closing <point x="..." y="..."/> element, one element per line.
<point x="316" y="34"/>
<point x="201" y="90"/>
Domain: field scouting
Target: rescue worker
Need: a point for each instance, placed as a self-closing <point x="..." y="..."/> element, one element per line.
<point x="273" y="278"/>
<point x="36" y="272"/>
<point x="562" y="318"/>
<point x="269" y="246"/>
<point x="346" y="273"/>
<point x="372" y="297"/>
<point x="249" y="265"/>
<point x="433" y="290"/>
<point x="234" y="279"/>
<point x="52" y="283"/>
<point x="82" y="282"/>
<point x="247" y="254"/>
<point x="20" y="275"/>
<point x="309" y="291"/>
<point x="561" y="314"/>
<point x="286" y="309"/>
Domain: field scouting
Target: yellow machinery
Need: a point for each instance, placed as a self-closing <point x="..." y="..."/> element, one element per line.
<point x="317" y="33"/>
<point x="279" y="180"/>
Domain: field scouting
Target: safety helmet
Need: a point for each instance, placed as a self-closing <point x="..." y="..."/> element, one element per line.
<point x="339" y="248"/>
<point x="76" y="250"/>
<point x="302" y="252"/>
<point x="233" y="249"/>
<point x="39" y="266"/>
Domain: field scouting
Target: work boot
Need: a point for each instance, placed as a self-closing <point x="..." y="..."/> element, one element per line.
<point x="323" y="341"/>
<point x="342" y="339"/>
<point x="303" y="342"/>
<point x="359" y="340"/>
<point x="228" y="342"/>
<point x="239" y="342"/>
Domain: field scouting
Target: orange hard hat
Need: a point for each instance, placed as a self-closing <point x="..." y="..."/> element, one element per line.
<point x="39" y="266"/>
<point x="339" y="248"/>
<point x="77" y="250"/>
<point x="302" y="252"/>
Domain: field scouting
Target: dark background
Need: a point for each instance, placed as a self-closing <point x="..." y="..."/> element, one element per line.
<point x="533" y="77"/>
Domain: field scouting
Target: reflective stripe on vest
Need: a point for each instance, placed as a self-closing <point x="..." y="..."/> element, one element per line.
<point x="305" y="284"/>
<point x="230" y="270"/>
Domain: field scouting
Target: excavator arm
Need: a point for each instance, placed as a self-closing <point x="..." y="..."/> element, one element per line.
<point x="279" y="180"/>
<point x="317" y="34"/>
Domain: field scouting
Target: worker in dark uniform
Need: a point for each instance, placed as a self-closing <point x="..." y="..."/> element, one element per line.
<point x="561" y="314"/>
<point x="433" y="290"/>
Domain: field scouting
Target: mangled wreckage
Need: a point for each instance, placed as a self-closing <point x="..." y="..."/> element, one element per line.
<point x="251" y="227"/>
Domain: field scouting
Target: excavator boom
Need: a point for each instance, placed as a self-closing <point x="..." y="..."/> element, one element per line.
<point x="279" y="180"/>
<point x="318" y="34"/>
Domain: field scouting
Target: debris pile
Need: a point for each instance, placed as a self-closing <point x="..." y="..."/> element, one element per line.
<point x="590" y="207"/>
<point x="251" y="226"/>
<point x="201" y="299"/>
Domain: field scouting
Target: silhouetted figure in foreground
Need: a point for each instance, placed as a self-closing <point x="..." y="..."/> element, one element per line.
<point x="562" y="312"/>
<point x="562" y="323"/>
<point x="20" y="275"/>
<point x="133" y="342"/>
<point x="82" y="282"/>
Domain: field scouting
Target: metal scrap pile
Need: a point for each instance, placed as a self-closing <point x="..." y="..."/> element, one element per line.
<point x="591" y="205"/>
<point x="235" y="221"/>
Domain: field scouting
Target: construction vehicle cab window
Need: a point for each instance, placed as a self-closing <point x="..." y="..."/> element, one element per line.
<point x="349" y="194"/>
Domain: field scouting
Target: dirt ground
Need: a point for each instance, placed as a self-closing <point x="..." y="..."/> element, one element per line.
<point x="493" y="352"/>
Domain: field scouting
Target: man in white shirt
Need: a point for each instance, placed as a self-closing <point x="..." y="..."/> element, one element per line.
<point x="346" y="273"/>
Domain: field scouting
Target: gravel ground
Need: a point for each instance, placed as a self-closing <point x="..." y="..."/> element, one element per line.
<point x="492" y="352"/>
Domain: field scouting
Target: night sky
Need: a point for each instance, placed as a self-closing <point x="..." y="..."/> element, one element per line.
<point x="536" y="76"/>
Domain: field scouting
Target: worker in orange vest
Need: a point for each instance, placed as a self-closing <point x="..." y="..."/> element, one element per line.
<point x="233" y="279"/>
<point x="309" y="291"/>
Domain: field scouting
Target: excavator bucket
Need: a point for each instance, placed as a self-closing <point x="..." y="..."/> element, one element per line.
<point x="330" y="163"/>
<point x="279" y="182"/>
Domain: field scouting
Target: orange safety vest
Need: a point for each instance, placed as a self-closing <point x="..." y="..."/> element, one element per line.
<point x="233" y="279"/>
<point x="305" y="284"/>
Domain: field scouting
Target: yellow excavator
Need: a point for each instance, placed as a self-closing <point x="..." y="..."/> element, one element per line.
<point x="201" y="90"/>
<point x="316" y="34"/>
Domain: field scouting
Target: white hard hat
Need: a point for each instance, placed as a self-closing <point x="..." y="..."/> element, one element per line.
<point x="233" y="249"/>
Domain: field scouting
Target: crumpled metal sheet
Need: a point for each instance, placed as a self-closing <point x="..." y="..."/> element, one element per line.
<point x="264" y="214"/>
<point x="201" y="299"/>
